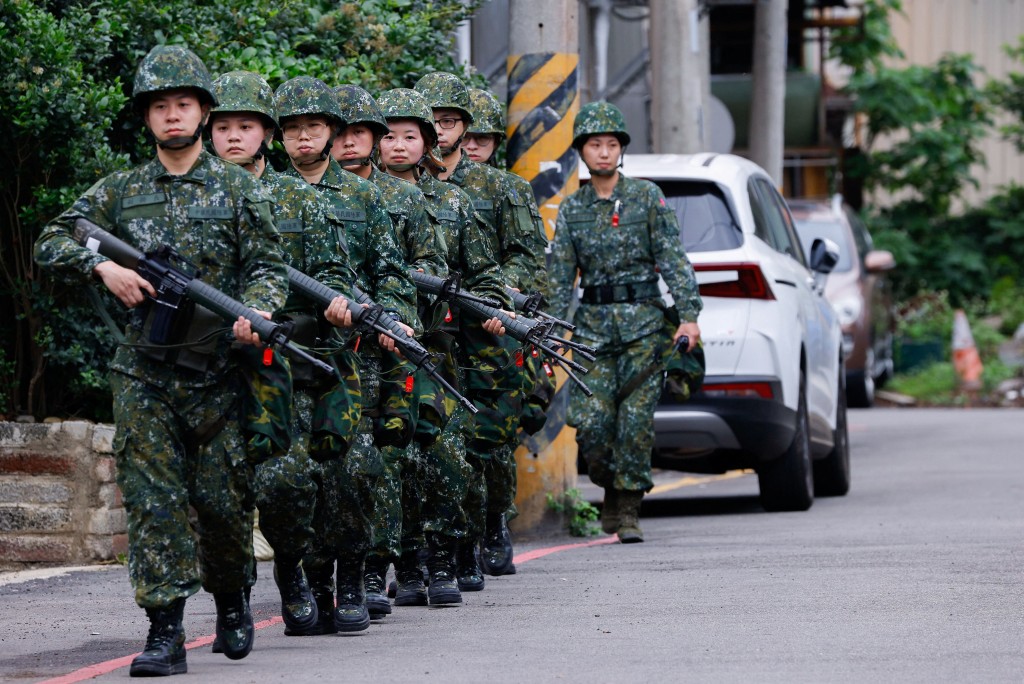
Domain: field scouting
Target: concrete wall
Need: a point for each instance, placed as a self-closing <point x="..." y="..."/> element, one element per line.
<point x="58" y="499"/>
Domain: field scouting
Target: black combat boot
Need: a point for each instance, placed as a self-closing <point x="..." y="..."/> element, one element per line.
<point x="373" y="581"/>
<point x="235" y="632"/>
<point x="298" y="607"/>
<point x="215" y="647"/>
<point x="443" y="588"/>
<point x="610" y="511"/>
<point x="321" y="584"/>
<point x="164" y="654"/>
<point x="629" y="517"/>
<point x="351" y="614"/>
<point x="496" y="550"/>
<point x="467" y="567"/>
<point x="410" y="590"/>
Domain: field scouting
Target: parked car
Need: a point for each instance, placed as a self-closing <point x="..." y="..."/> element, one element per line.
<point x="858" y="289"/>
<point x="773" y="398"/>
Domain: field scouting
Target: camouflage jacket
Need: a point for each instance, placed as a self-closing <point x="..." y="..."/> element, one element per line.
<point x="373" y="248"/>
<point x="424" y="244"/>
<point x="525" y="190"/>
<point x="469" y="252"/>
<point x="510" y="228"/>
<point x="312" y="240"/>
<point x="214" y="212"/>
<point x="644" y="243"/>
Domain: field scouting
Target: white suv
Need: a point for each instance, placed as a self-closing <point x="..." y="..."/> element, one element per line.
<point x="773" y="398"/>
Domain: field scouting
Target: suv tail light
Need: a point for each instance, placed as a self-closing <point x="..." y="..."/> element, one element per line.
<point x="744" y="280"/>
<point x="745" y="390"/>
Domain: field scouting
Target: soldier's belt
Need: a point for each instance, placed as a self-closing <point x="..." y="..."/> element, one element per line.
<point x="618" y="294"/>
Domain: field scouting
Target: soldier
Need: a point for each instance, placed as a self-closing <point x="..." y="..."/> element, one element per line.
<point x="241" y="128"/>
<point x="495" y="382"/>
<point x="423" y="249"/>
<point x="619" y="234"/>
<point x="179" y="441"/>
<point x="481" y="142"/>
<point x="311" y="119"/>
<point x="441" y="478"/>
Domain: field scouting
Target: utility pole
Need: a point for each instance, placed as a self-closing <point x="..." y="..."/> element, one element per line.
<point x="680" y="79"/>
<point x="767" y="106"/>
<point x="543" y="99"/>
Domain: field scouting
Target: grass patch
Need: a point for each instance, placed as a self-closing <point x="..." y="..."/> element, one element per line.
<point x="937" y="385"/>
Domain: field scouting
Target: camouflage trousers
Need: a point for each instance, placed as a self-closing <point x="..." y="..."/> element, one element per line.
<point x="424" y="491"/>
<point x="616" y="439"/>
<point x="286" y="487"/>
<point x="175" y="447"/>
<point x="491" y="488"/>
<point x="349" y="490"/>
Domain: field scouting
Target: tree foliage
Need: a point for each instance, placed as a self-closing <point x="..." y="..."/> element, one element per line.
<point x="66" y="121"/>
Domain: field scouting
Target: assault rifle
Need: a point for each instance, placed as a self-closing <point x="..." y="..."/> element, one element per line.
<point x="375" y="318"/>
<point x="178" y="292"/>
<point x="521" y="328"/>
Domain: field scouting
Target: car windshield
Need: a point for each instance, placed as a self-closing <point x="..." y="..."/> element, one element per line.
<point x="705" y="222"/>
<point x="834" y="231"/>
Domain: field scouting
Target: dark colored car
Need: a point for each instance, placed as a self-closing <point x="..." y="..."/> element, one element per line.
<point x="858" y="289"/>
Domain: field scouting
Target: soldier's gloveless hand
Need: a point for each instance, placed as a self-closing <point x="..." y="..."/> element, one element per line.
<point x="243" y="330"/>
<point x="126" y="284"/>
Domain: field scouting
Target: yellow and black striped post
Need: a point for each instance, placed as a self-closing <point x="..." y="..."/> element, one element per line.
<point x="543" y="98"/>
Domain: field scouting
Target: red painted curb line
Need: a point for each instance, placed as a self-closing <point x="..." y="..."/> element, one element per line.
<point x="103" y="668"/>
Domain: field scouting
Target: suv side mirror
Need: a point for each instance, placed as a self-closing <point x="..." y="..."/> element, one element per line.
<point x="879" y="261"/>
<point x="824" y="255"/>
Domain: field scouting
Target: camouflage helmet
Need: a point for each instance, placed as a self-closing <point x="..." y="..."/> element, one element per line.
<point x="488" y="114"/>
<point x="596" y="118"/>
<point x="359" y="107"/>
<point x="406" y="103"/>
<point x="446" y="91"/>
<point x="684" y="373"/>
<point x="244" y="91"/>
<point x="168" y="67"/>
<point x="307" y="95"/>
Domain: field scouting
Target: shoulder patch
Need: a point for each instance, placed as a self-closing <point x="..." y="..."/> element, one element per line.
<point x="482" y="205"/>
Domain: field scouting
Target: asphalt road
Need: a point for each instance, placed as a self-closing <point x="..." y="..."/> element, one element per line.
<point x="914" y="577"/>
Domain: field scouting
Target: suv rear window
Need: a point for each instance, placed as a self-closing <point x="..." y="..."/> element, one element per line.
<point x="705" y="222"/>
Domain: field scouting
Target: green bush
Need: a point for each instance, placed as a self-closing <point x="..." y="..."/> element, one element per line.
<point x="1007" y="302"/>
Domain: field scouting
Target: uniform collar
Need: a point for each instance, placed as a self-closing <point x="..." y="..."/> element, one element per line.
<point x="199" y="173"/>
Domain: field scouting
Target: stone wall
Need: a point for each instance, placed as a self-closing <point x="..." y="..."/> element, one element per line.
<point x="58" y="499"/>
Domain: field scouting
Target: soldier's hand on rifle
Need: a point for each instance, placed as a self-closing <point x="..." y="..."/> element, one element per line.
<point x="389" y="343"/>
<point x="338" y="313"/>
<point x="691" y="330"/>
<point x="243" y="330"/>
<point x="126" y="284"/>
<point x="494" y="325"/>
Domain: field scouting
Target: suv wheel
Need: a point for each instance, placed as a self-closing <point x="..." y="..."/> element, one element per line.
<point x="787" y="482"/>
<point x="860" y="385"/>
<point x="832" y="473"/>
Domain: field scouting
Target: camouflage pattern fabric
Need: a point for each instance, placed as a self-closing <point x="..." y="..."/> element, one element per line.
<point x="423" y="245"/>
<point x="488" y="114"/>
<point x="326" y="412"/>
<point x="616" y="439"/>
<point x="245" y="91"/>
<point x="307" y="95"/>
<point x="160" y="474"/>
<point x="373" y="246"/>
<point x="445" y="91"/>
<point x="166" y="67"/>
<point x="267" y="405"/>
<point x="595" y="118"/>
<point x="179" y="440"/>
<point x="510" y="230"/>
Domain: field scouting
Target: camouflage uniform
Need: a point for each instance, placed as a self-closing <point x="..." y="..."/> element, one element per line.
<point x="495" y="379"/>
<point x="538" y="389"/>
<point x="621" y="312"/>
<point x="179" y="440"/>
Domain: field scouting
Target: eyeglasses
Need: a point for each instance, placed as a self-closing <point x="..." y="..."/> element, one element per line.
<point x="447" y="123"/>
<point x="314" y="130"/>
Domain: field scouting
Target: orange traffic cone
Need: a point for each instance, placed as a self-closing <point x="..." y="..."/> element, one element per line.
<point x="965" y="354"/>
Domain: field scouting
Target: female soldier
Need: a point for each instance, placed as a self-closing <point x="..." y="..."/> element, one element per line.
<point x="619" y="234"/>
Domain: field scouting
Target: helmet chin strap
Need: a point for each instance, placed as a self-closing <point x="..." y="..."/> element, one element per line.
<point x="445" y="151"/>
<point x="325" y="154"/>
<point x="181" y="142"/>
<point x="609" y="172"/>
